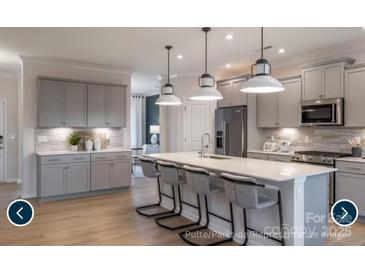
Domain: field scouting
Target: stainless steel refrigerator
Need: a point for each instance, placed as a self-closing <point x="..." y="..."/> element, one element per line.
<point x="231" y="131"/>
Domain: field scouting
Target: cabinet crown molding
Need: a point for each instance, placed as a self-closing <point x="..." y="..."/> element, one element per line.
<point x="346" y="60"/>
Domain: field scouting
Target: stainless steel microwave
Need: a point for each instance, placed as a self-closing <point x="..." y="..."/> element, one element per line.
<point x="328" y="112"/>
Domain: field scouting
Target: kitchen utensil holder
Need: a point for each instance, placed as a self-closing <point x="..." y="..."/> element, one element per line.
<point x="356" y="152"/>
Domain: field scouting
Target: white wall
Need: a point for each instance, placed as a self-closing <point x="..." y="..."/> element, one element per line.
<point x="9" y="86"/>
<point x="171" y="117"/>
<point x="70" y="70"/>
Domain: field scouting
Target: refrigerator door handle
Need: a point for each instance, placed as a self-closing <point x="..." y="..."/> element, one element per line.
<point x="225" y="137"/>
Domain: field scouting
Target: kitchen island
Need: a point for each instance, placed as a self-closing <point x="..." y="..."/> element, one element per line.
<point x="304" y="192"/>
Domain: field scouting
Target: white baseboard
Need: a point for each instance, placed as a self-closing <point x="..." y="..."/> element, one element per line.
<point x="28" y="195"/>
<point x="11" y="180"/>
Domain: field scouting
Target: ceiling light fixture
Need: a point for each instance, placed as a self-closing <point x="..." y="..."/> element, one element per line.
<point x="179" y="56"/>
<point x="261" y="81"/>
<point x="207" y="90"/>
<point x="167" y="96"/>
<point x="228" y="65"/>
<point x="229" y="36"/>
<point x="281" y="51"/>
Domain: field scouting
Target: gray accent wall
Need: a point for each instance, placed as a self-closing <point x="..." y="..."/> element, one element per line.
<point x="152" y="115"/>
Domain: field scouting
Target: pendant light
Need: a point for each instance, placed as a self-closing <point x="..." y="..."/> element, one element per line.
<point x="262" y="81"/>
<point x="207" y="91"/>
<point x="167" y="96"/>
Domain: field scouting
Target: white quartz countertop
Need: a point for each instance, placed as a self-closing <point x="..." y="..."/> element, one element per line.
<point x="261" y="169"/>
<point x="271" y="152"/>
<point x="351" y="159"/>
<point x="50" y="153"/>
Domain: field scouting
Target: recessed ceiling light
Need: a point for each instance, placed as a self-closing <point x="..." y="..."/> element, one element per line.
<point x="173" y="76"/>
<point x="229" y="36"/>
<point x="159" y="77"/>
<point x="179" y="56"/>
<point x="228" y="65"/>
<point x="282" y="50"/>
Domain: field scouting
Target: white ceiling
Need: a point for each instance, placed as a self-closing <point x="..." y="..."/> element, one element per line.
<point x="142" y="49"/>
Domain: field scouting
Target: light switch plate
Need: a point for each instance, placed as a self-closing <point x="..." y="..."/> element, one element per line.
<point x="42" y="139"/>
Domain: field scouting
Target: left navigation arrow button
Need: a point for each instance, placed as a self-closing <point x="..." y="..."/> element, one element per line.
<point x="20" y="212"/>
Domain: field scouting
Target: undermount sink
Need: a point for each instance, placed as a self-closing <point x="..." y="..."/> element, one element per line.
<point x="216" y="157"/>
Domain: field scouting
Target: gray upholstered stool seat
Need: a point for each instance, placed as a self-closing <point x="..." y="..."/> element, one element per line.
<point x="246" y="193"/>
<point x="171" y="174"/>
<point x="149" y="170"/>
<point x="201" y="181"/>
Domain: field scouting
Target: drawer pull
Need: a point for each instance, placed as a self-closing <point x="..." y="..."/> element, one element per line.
<point x="101" y="158"/>
<point x="80" y="158"/>
<point x="353" y="168"/>
<point x="53" y="160"/>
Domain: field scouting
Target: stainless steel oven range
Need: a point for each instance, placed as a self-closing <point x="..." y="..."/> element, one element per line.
<point x="321" y="158"/>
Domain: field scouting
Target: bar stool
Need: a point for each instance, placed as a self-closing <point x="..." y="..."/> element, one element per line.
<point x="170" y="175"/>
<point x="246" y="193"/>
<point x="200" y="182"/>
<point x="149" y="169"/>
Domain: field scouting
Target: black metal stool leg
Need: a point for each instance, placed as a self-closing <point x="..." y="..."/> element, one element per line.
<point x="245" y="227"/>
<point x="158" y="204"/>
<point x="183" y="234"/>
<point x="281" y="220"/>
<point x="157" y="220"/>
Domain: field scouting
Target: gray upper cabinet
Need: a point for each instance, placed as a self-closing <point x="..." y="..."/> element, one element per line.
<point x="288" y="103"/>
<point x="50" y="101"/>
<point x="61" y="104"/>
<point x="323" y="82"/>
<point x="96" y="106"/>
<point x="355" y="97"/>
<point x="267" y="110"/>
<point x="116" y="106"/>
<point x="74" y="104"/>
<point x="280" y="109"/>
<point x="312" y="84"/>
<point x="67" y="103"/>
<point x="230" y="90"/>
<point x="333" y="81"/>
<point x="106" y="106"/>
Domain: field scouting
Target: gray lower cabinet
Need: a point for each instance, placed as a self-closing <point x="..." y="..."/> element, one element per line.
<point x="259" y="156"/>
<point x="52" y="180"/>
<point x="121" y="174"/>
<point x="100" y="175"/>
<point x="61" y="104"/>
<point x="78" y="177"/>
<point x="110" y="174"/>
<point x="268" y="156"/>
<point x="62" y="179"/>
<point x="351" y="186"/>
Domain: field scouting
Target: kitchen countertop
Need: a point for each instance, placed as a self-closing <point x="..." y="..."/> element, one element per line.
<point x="271" y="152"/>
<point x="351" y="159"/>
<point x="50" y="153"/>
<point x="262" y="169"/>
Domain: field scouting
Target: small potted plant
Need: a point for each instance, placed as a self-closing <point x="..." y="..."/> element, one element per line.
<point x="74" y="139"/>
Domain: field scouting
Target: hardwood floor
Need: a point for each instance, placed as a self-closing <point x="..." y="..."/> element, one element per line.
<point x="103" y="220"/>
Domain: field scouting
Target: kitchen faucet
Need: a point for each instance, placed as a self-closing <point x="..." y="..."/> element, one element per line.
<point x="202" y="146"/>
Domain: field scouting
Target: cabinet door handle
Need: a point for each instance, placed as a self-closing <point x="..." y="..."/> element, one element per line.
<point x="101" y="158"/>
<point x="353" y="168"/>
<point x="80" y="158"/>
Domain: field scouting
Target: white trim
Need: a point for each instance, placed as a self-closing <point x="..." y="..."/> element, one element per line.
<point x="19" y="181"/>
<point x="4" y="179"/>
<point x="11" y="180"/>
<point x="76" y="64"/>
<point x="28" y="195"/>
